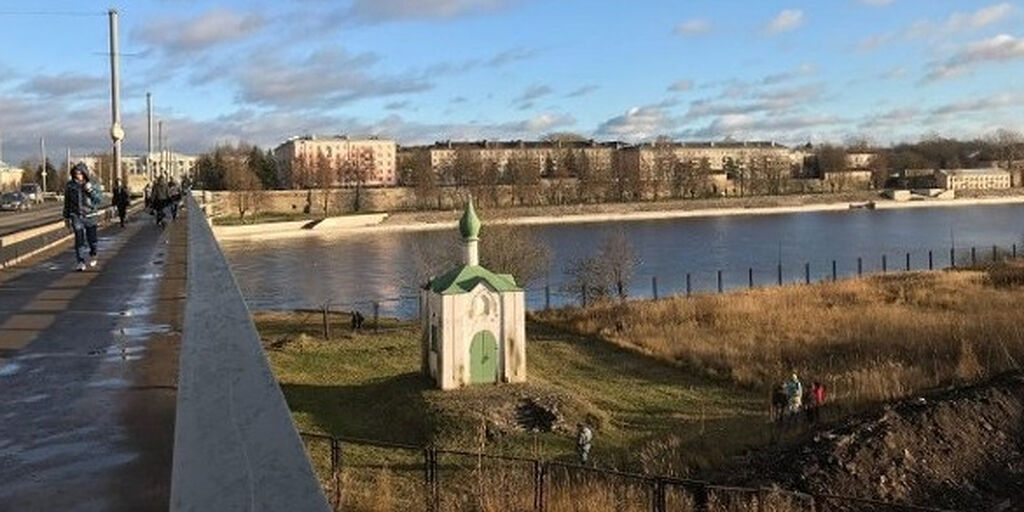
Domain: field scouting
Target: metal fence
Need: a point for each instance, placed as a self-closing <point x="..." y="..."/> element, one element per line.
<point x="359" y="474"/>
<point x="379" y="311"/>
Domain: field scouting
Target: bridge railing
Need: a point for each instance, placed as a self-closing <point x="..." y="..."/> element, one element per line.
<point x="235" y="446"/>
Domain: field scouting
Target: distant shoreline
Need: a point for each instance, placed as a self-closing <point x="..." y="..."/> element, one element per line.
<point x="388" y="223"/>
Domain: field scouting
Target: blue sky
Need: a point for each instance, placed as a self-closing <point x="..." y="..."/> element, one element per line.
<point x="426" y="70"/>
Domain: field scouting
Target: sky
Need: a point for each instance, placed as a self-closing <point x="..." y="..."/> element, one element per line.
<point x="420" y="71"/>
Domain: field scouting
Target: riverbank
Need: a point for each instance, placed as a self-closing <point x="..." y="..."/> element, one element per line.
<point x="595" y="213"/>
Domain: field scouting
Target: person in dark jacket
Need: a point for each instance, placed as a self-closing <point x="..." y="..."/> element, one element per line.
<point x="121" y="200"/>
<point x="82" y="199"/>
<point x="161" y="198"/>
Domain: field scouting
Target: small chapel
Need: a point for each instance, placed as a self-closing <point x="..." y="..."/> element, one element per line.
<point x="474" y="320"/>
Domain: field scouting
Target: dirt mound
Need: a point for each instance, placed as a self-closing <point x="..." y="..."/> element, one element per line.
<point x="961" y="449"/>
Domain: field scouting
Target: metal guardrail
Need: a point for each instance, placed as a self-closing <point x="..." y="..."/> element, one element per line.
<point x="533" y="484"/>
<point x="235" y="446"/>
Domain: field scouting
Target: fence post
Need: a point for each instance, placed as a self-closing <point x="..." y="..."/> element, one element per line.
<point x="834" y="271"/>
<point x="885" y="266"/>
<point x="807" y="273"/>
<point x="974" y="256"/>
<point x="435" y="494"/>
<point x="654" y="286"/>
<point x="659" y="504"/>
<point x="376" y="316"/>
<point x="327" y="324"/>
<point x="860" y="266"/>
<point x="719" y="281"/>
<point x="538" y="486"/>
<point x="583" y="294"/>
<point x="931" y="262"/>
<point x="687" y="284"/>
<point x="952" y="257"/>
<point x="750" y="277"/>
<point x="780" y="274"/>
<point x="1014" y="251"/>
<point x="994" y="255"/>
<point x="547" y="296"/>
<point x="700" y="498"/>
<point x="908" y="262"/>
<point x="336" y="494"/>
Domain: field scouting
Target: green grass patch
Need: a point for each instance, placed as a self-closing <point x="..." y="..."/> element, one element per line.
<point x="648" y="415"/>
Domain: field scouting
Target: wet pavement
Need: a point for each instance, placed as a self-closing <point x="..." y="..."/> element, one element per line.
<point x="88" y="374"/>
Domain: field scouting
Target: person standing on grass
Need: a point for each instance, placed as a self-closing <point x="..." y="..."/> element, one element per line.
<point x="584" y="438"/>
<point x="794" y="392"/>
<point x="82" y="200"/>
<point x="121" y="200"/>
<point x="817" y="399"/>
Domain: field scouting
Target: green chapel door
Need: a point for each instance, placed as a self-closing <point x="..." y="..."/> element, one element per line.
<point x="483" y="357"/>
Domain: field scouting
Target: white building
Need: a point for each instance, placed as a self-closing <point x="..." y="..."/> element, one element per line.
<point x="976" y="179"/>
<point x="473" y="320"/>
<point x="10" y="177"/>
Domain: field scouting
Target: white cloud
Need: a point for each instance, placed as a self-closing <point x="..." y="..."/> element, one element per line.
<point x="877" y="2"/>
<point x="64" y="85"/>
<point x="787" y="20"/>
<point x="532" y="92"/>
<point x="993" y="102"/>
<point x="693" y="27"/>
<point x="960" y="21"/>
<point x="638" y="123"/>
<point x="211" y="28"/>
<point x="681" y="86"/>
<point x="378" y="11"/>
<point x="1000" y="48"/>
<point x="327" y="78"/>
<point x="582" y="91"/>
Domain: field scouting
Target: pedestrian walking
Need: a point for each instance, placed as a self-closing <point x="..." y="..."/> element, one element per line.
<point x="82" y="199"/>
<point x="584" y="440"/>
<point x="121" y="200"/>
<point x="161" y="196"/>
<point x="175" y="197"/>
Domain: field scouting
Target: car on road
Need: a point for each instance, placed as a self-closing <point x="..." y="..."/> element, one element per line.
<point x="14" y="201"/>
<point x="33" y="192"/>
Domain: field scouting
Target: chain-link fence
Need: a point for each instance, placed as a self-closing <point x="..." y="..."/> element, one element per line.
<point x="363" y="475"/>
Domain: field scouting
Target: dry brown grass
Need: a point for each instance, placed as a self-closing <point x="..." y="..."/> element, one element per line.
<point x="868" y="340"/>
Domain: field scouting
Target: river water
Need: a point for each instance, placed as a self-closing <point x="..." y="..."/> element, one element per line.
<point x="354" y="270"/>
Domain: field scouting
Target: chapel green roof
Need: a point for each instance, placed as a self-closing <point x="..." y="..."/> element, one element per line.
<point x="469" y="224"/>
<point x="463" y="279"/>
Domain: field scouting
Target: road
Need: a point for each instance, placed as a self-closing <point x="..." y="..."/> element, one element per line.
<point x="50" y="211"/>
<point x="17" y="221"/>
<point x="88" y="374"/>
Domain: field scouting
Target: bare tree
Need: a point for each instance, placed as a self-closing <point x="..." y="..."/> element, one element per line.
<point x="617" y="255"/>
<point x="505" y="249"/>
<point x="246" y="186"/>
<point x="524" y="174"/>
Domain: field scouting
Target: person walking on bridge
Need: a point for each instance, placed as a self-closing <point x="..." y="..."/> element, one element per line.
<point x="161" y="197"/>
<point x="82" y="200"/>
<point x="121" y="200"/>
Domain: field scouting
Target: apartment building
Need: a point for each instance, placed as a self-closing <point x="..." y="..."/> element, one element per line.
<point x="553" y="158"/>
<point x="973" y="179"/>
<point x="336" y="160"/>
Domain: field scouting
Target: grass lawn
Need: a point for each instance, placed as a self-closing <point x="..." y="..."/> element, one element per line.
<point x="368" y="385"/>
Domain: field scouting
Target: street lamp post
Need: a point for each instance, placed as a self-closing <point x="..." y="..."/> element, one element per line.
<point x="116" y="131"/>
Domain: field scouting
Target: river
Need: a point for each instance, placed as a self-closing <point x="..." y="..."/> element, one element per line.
<point x="355" y="270"/>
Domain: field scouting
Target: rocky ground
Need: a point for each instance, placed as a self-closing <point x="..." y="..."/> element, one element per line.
<point x="961" y="449"/>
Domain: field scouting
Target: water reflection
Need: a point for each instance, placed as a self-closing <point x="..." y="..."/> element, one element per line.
<point x="354" y="270"/>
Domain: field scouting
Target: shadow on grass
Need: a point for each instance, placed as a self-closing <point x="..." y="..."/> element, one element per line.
<point x="391" y="409"/>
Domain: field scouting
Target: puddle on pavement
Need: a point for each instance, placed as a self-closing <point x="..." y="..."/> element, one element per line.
<point x="9" y="369"/>
<point x="111" y="383"/>
<point x="143" y="331"/>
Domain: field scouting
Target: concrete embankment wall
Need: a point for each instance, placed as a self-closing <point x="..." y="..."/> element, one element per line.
<point x="235" y="446"/>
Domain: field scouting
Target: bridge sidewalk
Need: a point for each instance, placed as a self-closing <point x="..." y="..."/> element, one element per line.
<point x="88" y="374"/>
